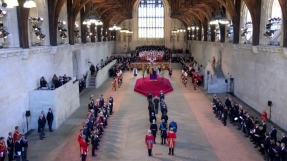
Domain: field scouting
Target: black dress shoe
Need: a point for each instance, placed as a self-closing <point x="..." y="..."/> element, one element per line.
<point x="51" y="130"/>
<point x="41" y="139"/>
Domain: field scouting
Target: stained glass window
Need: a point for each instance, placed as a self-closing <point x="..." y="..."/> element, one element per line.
<point x="151" y="19"/>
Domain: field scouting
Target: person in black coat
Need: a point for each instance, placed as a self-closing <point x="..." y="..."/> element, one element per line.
<point x="273" y="133"/>
<point x="156" y="102"/>
<point x="111" y="103"/>
<point x="266" y="145"/>
<point x="24" y="145"/>
<point x="152" y="117"/>
<point x="94" y="143"/>
<point x="43" y="83"/>
<point x="283" y="152"/>
<point x="102" y="101"/>
<point x="45" y="121"/>
<point x="164" y="117"/>
<point x="225" y="111"/>
<point x="18" y="149"/>
<point x="41" y="124"/>
<point x="284" y="138"/>
<point x="50" y="118"/>
<point x="10" y="146"/>
<point x="149" y="97"/>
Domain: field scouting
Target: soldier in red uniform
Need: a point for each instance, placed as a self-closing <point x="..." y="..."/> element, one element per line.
<point x="80" y="138"/>
<point x="83" y="148"/>
<point x="171" y="136"/>
<point x="3" y="149"/>
<point x="149" y="140"/>
<point x="16" y="134"/>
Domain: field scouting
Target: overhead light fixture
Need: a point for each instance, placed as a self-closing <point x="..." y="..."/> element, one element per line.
<point x="10" y="3"/>
<point x="29" y="4"/>
<point x="93" y="18"/>
<point x="124" y="29"/>
<point x="115" y="27"/>
<point x="181" y="29"/>
<point x="218" y="19"/>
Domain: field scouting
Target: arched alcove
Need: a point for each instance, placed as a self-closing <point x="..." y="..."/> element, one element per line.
<point x="63" y="19"/>
<point x="246" y="24"/>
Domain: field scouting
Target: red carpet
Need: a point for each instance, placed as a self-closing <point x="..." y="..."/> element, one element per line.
<point x="154" y="86"/>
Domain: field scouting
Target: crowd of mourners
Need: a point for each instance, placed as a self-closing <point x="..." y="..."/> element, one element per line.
<point x="122" y="64"/>
<point x="94" y="126"/>
<point x="271" y="147"/>
<point x="56" y="82"/>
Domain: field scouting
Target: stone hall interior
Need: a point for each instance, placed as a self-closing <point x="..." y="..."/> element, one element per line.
<point x="90" y="79"/>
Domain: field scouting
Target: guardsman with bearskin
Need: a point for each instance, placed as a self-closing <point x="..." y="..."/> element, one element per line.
<point x="171" y="136"/>
<point x="16" y="134"/>
<point x="83" y="148"/>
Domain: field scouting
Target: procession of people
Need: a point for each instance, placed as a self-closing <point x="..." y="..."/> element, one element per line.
<point x="167" y="133"/>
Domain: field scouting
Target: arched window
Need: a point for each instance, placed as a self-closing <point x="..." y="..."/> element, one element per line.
<point x="151" y="19"/>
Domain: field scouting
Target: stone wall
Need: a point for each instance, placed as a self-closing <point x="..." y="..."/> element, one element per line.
<point x="258" y="77"/>
<point x="22" y="69"/>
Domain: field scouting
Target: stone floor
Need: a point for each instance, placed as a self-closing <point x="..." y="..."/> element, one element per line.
<point x="201" y="137"/>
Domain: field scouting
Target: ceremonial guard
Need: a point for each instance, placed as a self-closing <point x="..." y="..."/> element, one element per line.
<point x="3" y="149"/>
<point x="173" y="125"/>
<point x="171" y="136"/>
<point x="114" y="84"/>
<point x="162" y="128"/>
<point x="149" y="140"/>
<point x="153" y="128"/>
<point x="119" y="79"/>
<point x="94" y="143"/>
<point x="182" y="76"/>
<point x="16" y="134"/>
<point x="83" y="148"/>
<point x="10" y="147"/>
<point x="185" y="78"/>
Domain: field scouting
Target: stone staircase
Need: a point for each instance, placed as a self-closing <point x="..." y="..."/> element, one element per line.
<point x="92" y="83"/>
<point x="216" y="82"/>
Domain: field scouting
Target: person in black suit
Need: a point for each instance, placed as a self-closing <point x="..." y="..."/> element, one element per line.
<point x="44" y="119"/>
<point x="18" y="149"/>
<point x="43" y="83"/>
<point x="225" y="111"/>
<point x="273" y="133"/>
<point x="151" y="118"/>
<point x="153" y="128"/>
<point x="102" y="101"/>
<point x="111" y="103"/>
<point x="283" y="152"/>
<point x="50" y="118"/>
<point x="156" y="101"/>
<point x="266" y="145"/>
<point x="164" y="117"/>
<point x="10" y="146"/>
<point x="284" y="138"/>
<point x="149" y="97"/>
<point x="247" y="123"/>
<point x="41" y="126"/>
<point x="24" y="145"/>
